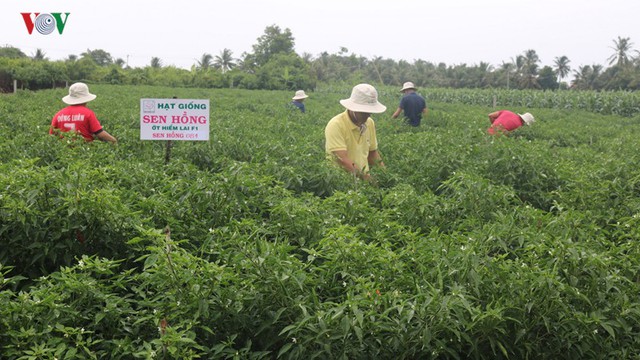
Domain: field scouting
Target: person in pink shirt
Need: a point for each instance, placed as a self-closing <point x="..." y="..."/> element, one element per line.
<point x="78" y="117"/>
<point x="505" y="121"/>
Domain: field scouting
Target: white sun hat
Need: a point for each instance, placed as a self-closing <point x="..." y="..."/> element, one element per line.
<point x="78" y="94"/>
<point x="527" y="118"/>
<point x="408" y="85"/>
<point x="299" y="95"/>
<point x="364" y="98"/>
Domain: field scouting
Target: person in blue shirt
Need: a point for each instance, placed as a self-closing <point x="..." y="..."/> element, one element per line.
<point x="413" y="105"/>
<point x="298" y="100"/>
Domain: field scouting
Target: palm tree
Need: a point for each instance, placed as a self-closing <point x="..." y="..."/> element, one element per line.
<point x="224" y="61"/>
<point x="586" y="77"/>
<point x="595" y="75"/>
<point x="156" y="63"/>
<point x="401" y="71"/>
<point x="508" y="69"/>
<point x="247" y="63"/>
<point x="205" y="62"/>
<point x="562" y="68"/>
<point x="580" y="77"/>
<point x="519" y="63"/>
<point x="622" y="47"/>
<point x="530" y="69"/>
<point x="484" y="71"/>
<point x="518" y="68"/>
<point x="39" y="55"/>
<point x="423" y="72"/>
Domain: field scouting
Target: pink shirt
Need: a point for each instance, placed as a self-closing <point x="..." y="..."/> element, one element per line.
<point x="77" y="118"/>
<point x="506" y="121"/>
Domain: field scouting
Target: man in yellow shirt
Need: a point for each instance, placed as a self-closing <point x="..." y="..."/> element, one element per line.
<point x="350" y="137"/>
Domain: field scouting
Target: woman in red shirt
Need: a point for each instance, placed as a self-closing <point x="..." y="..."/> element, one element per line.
<point x="506" y="121"/>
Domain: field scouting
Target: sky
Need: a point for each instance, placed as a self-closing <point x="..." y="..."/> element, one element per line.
<point x="453" y="32"/>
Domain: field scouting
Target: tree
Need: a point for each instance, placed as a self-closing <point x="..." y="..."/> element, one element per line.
<point x="81" y="69"/>
<point x="113" y="76"/>
<point x="586" y="77"/>
<point x="35" y="75"/>
<point x="547" y="78"/>
<point x="508" y="68"/>
<point x="622" y="46"/>
<point x="562" y="68"/>
<point x="205" y="62"/>
<point x="11" y="52"/>
<point x="224" y="61"/>
<point x="39" y="55"/>
<point x="320" y="66"/>
<point x="423" y="73"/>
<point x="480" y="75"/>
<point x="595" y="75"/>
<point x="376" y="65"/>
<point x="248" y="63"/>
<point x="529" y="70"/>
<point x="156" y="63"/>
<point x="100" y="57"/>
<point x="285" y="72"/>
<point x="307" y="57"/>
<point x="273" y="42"/>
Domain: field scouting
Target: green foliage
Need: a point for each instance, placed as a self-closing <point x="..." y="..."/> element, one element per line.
<point x="284" y="72"/>
<point x="547" y="78"/>
<point x="11" y="52"/>
<point x="273" y="42"/>
<point x="99" y="56"/>
<point x="623" y="103"/>
<point x="250" y="246"/>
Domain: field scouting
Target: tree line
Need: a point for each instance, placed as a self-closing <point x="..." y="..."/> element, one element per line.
<point x="273" y="64"/>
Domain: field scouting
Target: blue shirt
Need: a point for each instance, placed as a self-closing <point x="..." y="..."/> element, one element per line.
<point x="298" y="104"/>
<point x="413" y="105"/>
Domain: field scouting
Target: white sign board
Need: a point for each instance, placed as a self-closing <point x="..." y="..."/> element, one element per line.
<point x="174" y="119"/>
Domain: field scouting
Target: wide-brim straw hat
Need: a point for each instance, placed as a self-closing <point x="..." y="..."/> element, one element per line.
<point x="527" y="118"/>
<point x="299" y="95"/>
<point x="78" y="94"/>
<point x="408" y="85"/>
<point x="364" y="98"/>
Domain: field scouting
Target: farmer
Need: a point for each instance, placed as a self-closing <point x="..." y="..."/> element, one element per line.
<point x="505" y="121"/>
<point x="78" y="117"/>
<point x="298" y="100"/>
<point x="350" y="137"/>
<point x="412" y="103"/>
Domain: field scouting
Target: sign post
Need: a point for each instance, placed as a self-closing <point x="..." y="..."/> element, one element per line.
<point x="174" y="119"/>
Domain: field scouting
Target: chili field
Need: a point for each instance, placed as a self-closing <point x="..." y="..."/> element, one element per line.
<point x="250" y="246"/>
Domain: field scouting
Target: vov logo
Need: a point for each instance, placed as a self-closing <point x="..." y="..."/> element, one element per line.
<point x="45" y="23"/>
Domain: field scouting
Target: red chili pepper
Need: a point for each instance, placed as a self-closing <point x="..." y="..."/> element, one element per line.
<point x="79" y="236"/>
<point x="163" y="326"/>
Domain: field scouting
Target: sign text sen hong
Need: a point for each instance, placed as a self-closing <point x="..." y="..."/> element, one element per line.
<point x="174" y="119"/>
